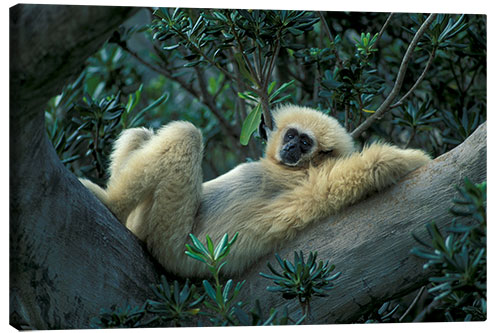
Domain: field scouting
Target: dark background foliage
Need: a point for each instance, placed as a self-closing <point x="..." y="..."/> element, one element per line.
<point x="219" y="69"/>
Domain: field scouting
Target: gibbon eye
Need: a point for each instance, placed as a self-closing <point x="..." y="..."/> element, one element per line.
<point x="305" y="143"/>
<point x="290" y="135"/>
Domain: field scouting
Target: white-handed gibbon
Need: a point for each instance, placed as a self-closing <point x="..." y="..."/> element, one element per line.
<point x="310" y="170"/>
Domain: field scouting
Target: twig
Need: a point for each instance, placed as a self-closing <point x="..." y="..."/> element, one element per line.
<point x="338" y="61"/>
<point x="263" y="89"/>
<point x="382" y="30"/>
<point x="204" y="98"/>
<point x="420" y="292"/>
<point x="255" y="74"/>
<point x="399" y="80"/>
<point x="421" y="316"/>
<point x="209" y="102"/>
<point x="419" y="80"/>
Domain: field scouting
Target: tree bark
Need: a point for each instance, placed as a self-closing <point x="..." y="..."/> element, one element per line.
<point x="70" y="257"/>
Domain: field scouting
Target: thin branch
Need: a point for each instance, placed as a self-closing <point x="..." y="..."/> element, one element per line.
<point x="419" y="80"/>
<point x="210" y="103"/>
<point x="263" y="89"/>
<point x="399" y="80"/>
<point x="421" y="316"/>
<point x="420" y="292"/>
<point x="338" y="61"/>
<point x="248" y="63"/>
<point x="382" y="30"/>
<point x="227" y="128"/>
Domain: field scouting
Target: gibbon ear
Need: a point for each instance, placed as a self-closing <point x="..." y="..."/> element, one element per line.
<point x="264" y="131"/>
<point x="329" y="152"/>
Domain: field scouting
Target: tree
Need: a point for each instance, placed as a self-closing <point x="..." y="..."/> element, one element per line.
<point x="48" y="205"/>
<point x="70" y="256"/>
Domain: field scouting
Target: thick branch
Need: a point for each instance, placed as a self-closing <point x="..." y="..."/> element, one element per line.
<point x="370" y="242"/>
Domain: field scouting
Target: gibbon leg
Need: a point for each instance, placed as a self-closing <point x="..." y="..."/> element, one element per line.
<point x="129" y="141"/>
<point x="337" y="184"/>
<point x="163" y="174"/>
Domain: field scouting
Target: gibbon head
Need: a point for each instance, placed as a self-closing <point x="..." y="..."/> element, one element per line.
<point x="303" y="135"/>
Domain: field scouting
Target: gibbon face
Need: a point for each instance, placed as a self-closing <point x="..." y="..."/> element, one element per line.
<point x="303" y="136"/>
<point x="296" y="147"/>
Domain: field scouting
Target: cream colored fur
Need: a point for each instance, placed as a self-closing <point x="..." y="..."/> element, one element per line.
<point x="156" y="189"/>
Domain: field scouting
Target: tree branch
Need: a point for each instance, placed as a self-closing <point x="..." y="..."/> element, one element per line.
<point x="203" y="96"/>
<point x="338" y="61"/>
<point x="399" y="80"/>
<point x="382" y="30"/>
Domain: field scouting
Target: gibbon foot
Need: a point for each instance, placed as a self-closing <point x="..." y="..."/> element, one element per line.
<point x="129" y="140"/>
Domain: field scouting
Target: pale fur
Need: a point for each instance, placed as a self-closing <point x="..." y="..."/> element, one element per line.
<point x="156" y="189"/>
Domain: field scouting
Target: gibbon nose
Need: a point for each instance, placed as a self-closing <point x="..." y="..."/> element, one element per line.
<point x="291" y="146"/>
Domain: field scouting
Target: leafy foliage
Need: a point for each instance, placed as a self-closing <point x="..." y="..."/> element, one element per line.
<point x="459" y="259"/>
<point x="127" y="317"/>
<point x="217" y="302"/>
<point x="302" y="279"/>
<point x="225" y="69"/>
<point x="175" y="304"/>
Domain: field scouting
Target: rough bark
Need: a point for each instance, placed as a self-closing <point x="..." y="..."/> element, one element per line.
<point x="69" y="256"/>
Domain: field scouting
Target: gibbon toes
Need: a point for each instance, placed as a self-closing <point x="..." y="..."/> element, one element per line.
<point x="129" y="141"/>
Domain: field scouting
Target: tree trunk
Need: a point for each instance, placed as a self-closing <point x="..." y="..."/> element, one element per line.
<point x="70" y="257"/>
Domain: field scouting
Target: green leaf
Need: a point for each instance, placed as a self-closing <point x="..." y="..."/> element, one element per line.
<point x="196" y="256"/>
<point x="210" y="245"/>
<point x="209" y="290"/>
<point x="221" y="247"/>
<point x="243" y="68"/>
<point x="281" y="89"/>
<point x="227" y="289"/>
<point x="250" y="125"/>
<point x="199" y="245"/>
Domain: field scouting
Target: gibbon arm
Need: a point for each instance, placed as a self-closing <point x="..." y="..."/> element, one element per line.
<point x="339" y="183"/>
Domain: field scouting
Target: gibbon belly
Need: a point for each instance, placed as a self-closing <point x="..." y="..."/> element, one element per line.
<point x="227" y="197"/>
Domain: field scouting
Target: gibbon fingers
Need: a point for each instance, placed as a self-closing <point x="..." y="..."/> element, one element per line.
<point x="310" y="170"/>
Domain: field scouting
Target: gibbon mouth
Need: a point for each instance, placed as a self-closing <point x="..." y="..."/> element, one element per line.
<point x="290" y="158"/>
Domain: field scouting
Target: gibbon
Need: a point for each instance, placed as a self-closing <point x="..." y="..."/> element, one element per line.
<point x="310" y="170"/>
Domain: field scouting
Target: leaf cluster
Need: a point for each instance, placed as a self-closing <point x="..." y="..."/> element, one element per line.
<point x="301" y="279"/>
<point x="90" y="126"/>
<point x="459" y="259"/>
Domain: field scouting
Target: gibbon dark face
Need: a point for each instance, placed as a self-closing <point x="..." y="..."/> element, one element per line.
<point x="295" y="146"/>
